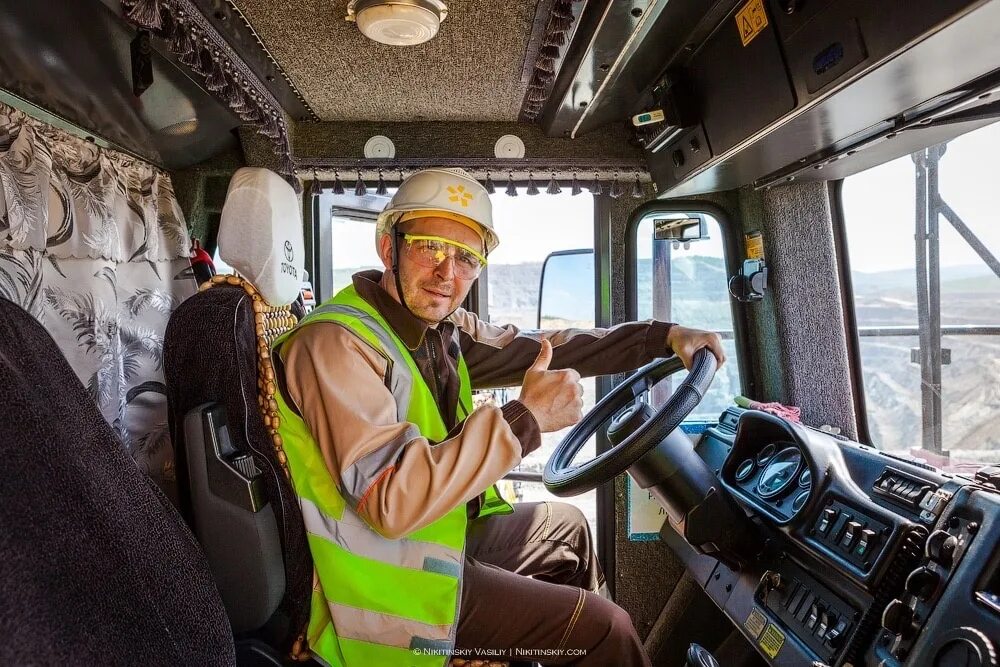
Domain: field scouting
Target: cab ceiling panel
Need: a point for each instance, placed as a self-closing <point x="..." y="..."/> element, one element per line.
<point x="473" y="70"/>
<point x="783" y="88"/>
<point x="629" y="42"/>
<point x="73" y="60"/>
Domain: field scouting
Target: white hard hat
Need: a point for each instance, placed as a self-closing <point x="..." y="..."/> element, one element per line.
<point x="448" y="193"/>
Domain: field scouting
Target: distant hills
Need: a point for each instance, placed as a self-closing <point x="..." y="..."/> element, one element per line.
<point x="953" y="278"/>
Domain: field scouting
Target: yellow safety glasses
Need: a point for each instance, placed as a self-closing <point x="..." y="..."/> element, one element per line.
<point x="430" y="251"/>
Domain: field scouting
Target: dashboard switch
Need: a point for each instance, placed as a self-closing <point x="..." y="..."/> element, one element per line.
<point x="922" y="582"/>
<point x="865" y="543"/>
<point x="808" y="603"/>
<point x="932" y="502"/>
<point x="790" y="592"/>
<point x="814" y="612"/>
<point x="823" y="624"/>
<point x="837" y="634"/>
<point x="796" y="601"/>
<point x="897" y="618"/>
<point x="826" y="520"/>
<point x="851" y="532"/>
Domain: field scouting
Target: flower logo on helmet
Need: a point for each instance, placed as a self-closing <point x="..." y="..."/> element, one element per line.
<point x="460" y="195"/>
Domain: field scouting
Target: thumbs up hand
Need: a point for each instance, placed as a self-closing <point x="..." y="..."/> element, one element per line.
<point x="555" y="398"/>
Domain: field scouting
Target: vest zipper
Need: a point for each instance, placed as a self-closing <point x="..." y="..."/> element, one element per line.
<point x="437" y="379"/>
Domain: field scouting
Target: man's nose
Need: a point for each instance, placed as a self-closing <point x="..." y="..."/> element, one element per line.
<point x="446" y="269"/>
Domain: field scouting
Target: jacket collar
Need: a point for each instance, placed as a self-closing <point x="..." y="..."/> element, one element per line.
<point x="410" y="328"/>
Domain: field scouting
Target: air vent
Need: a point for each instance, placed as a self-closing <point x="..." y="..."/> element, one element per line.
<point x="901" y="488"/>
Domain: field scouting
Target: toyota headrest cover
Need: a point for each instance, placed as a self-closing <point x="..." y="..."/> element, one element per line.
<point x="260" y="234"/>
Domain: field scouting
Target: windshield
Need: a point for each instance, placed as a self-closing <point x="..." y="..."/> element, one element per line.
<point x="923" y="238"/>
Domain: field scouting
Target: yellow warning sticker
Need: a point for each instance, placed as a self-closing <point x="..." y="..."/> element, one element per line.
<point x="751" y="20"/>
<point x="755" y="622"/>
<point x="755" y="245"/>
<point x="772" y="640"/>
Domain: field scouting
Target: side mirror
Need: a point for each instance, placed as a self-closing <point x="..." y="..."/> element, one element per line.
<point x="566" y="290"/>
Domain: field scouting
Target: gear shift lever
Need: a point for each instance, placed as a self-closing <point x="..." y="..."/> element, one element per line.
<point x="698" y="656"/>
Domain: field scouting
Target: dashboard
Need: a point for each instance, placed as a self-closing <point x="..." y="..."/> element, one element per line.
<point x="867" y="558"/>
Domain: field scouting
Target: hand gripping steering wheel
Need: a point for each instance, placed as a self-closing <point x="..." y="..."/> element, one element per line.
<point x="564" y="479"/>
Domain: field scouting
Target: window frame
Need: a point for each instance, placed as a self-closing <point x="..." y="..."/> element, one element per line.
<point x="851" y="335"/>
<point x="734" y="250"/>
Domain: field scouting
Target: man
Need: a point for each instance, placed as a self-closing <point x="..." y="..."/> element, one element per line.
<point x="417" y="555"/>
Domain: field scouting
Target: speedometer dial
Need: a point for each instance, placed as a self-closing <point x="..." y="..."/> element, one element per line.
<point x="780" y="473"/>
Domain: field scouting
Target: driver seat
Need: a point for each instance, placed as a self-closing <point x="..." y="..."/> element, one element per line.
<point x="234" y="487"/>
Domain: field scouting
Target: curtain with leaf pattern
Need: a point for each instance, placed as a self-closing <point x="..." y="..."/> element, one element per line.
<point x="93" y="244"/>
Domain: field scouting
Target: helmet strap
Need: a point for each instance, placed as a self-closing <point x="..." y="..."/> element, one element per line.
<point x="395" y="270"/>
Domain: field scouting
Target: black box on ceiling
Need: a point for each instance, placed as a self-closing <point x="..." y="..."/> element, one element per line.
<point x="854" y="63"/>
<point x="740" y="81"/>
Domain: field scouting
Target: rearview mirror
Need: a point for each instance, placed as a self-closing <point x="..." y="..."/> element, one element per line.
<point x="566" y="290"/>
<point x="683" y="230"/>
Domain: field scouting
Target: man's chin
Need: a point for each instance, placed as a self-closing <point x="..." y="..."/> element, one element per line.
<point x="432" y="314"/>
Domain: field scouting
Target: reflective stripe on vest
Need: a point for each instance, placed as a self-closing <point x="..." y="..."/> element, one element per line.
<point x="378" y="601"/>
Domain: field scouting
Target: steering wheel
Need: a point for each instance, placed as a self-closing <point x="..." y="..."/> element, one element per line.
<point x="647" y="427"/>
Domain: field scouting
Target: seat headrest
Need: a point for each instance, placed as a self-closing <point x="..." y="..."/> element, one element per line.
<point x="260" y="234"/>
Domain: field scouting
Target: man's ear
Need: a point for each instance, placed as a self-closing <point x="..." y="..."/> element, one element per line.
<point x="385" y="250"/>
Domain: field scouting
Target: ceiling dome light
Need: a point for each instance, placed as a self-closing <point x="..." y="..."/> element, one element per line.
<point x="398" y="22"/>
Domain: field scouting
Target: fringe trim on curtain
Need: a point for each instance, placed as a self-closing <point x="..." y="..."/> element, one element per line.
<point x="198" y="45"/>
<point x="561" y="19"/>
<point x="216" y="81"/>
<point x="144" y="12"/>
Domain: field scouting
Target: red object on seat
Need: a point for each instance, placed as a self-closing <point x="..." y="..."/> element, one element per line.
<point x="201" y="262"/>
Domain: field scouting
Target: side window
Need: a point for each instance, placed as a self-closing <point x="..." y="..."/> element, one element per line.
<point x="923" y="243"/>
<point x="531" y="229"/>
<point x="685" y="281"/>
<point x="352" y="234"/>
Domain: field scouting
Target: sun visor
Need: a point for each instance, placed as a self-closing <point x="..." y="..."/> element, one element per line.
<point x="260" y="234"/>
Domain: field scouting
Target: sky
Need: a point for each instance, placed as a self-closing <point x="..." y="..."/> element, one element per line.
<point x="879" y="206"/>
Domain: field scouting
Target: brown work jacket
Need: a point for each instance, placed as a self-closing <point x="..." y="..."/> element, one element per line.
<point x="337" y="382"/>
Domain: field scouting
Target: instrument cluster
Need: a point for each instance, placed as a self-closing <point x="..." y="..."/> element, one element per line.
<point x="777" y="477"/>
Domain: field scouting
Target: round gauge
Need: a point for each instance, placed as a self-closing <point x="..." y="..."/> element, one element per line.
<point x="779" y="473"/>
<point x="805" y="479"/>
<point x="800" y="500"/>
<point x="765" y="454"/>
<point x="745" y="470"/>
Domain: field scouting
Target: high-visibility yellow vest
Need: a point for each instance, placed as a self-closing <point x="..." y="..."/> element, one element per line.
<point x="378" y="601"/>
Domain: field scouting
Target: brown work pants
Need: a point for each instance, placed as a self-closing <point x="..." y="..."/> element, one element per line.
<point x="530" y="593"/>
